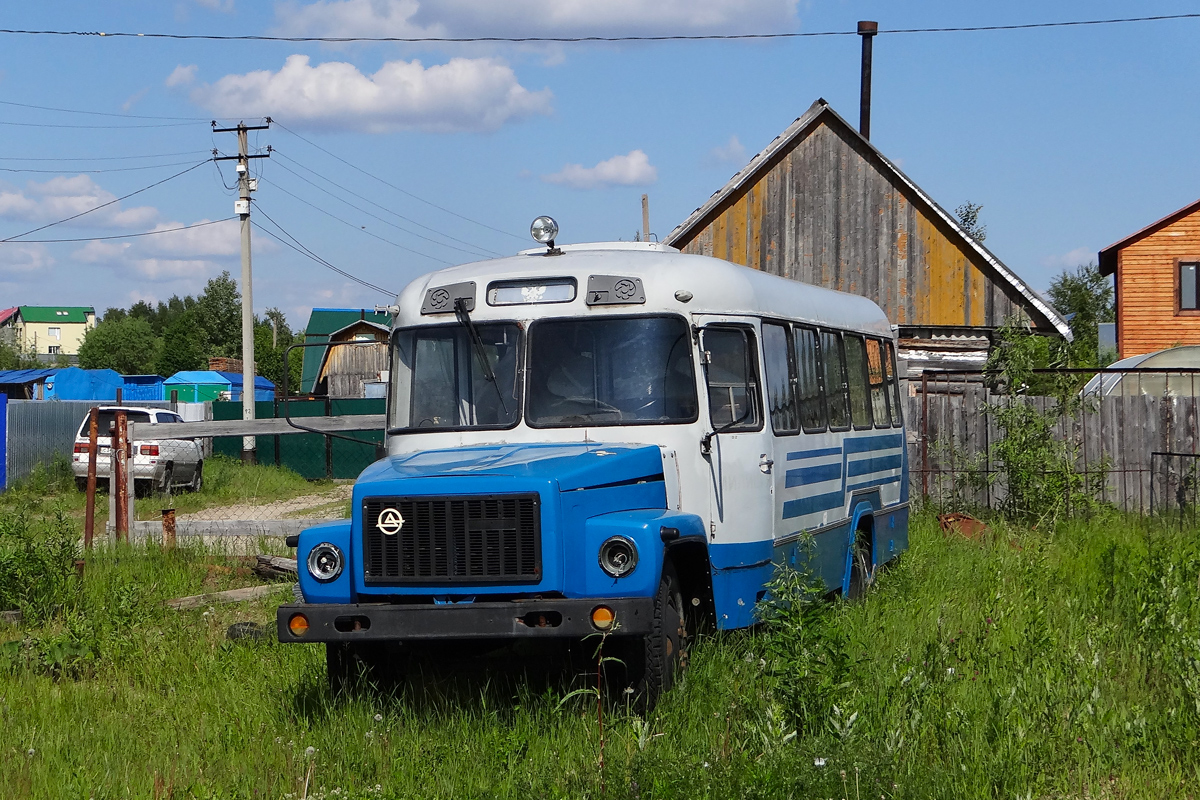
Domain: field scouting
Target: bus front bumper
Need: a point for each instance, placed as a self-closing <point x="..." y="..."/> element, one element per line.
<point x="327" y="622"/>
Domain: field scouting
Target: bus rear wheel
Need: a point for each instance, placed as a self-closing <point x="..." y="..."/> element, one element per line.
<point x="861" y="574"/>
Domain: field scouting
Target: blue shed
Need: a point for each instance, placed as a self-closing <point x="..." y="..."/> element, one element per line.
<point x="74" y="383"/>
<point x="25" y="384"/>
<point x="199" y="386"/>
<point x="263" y="388"/>
<point x="143" y="387"/>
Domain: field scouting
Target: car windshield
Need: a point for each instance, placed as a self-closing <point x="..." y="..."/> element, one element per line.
<point x="614" y="371"/>
<point x="106" y="418"/>
<point x="439" y="380"/>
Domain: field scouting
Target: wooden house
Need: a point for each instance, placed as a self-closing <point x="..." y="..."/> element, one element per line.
<point x="357" y="355"/>
<point x="1157" y="288"/>
<point x="822" y="205"/>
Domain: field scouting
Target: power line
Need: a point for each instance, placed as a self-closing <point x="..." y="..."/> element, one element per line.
<point x="92" y="171"/>
<point x="584" y="39"/>
<point x="476" y="249"/>
<point x="300" y="248"/>
<point x="127" y="235"/>
<point x="104" y="205"/>
<point x="94" y="127"/>
<point x="358" y="228"/>
<point x="103" y="158"/>
<point x="392" y="185"/>
<point x="98" y="113"/>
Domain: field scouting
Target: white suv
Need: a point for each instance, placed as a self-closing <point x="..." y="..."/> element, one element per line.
<point x="157" y="464"/>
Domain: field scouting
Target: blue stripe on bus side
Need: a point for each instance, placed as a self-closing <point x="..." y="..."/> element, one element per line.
<point x="866" y="466"/>
<point x="863" y="444"/>
<point x="877" y="482"/>
<point x="814" y="504"/>
<point x="803" y="454"/>
<point x="800" y="477"/>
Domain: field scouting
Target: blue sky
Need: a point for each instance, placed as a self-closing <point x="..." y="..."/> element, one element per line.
<point x="1070" y="138"/>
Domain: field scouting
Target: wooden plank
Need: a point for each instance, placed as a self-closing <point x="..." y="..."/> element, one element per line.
<point x="142" y="431"/>
<point x="231" y="596"/>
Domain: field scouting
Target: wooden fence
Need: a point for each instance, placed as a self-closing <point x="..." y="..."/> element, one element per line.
<point x="1137" y="450"/>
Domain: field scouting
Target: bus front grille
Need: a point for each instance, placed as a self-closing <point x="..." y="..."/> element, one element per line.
<point x="471" y="539"/>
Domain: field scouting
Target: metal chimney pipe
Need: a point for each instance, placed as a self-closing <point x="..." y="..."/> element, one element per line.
<point x="867" y="30"/>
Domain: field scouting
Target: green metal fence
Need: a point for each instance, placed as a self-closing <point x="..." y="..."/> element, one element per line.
<point x="313" y="456"/>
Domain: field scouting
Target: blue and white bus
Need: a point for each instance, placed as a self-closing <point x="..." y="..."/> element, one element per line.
<point x="614" y="438"/>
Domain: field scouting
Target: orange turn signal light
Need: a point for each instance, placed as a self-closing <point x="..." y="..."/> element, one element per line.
<point x="298" y="624"/>
<point x="603" y="618"/>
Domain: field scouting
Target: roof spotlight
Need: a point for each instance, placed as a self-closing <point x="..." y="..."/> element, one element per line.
<point x="544" y="230"/>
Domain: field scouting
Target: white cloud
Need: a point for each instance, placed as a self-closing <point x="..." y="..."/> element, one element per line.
<point x="732" y="152"/>
<point x="464" y="94"/>
<point x="134" y="99"/>
<point x="17" y="257"/>
<point x="62" y="197"/>
<point x="192" y="254"/>
<point x="458" y="18"/>
<point x="217" y="5"/>
<point x="181" y="75"/>
<point x="1070" y="260"/>
<point x="633" y="169"/>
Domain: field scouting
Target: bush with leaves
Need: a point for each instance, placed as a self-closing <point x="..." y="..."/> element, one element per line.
<point x="37" y="562"/>
<point x="807" y="650"/>
<point x="1036" y="469"/>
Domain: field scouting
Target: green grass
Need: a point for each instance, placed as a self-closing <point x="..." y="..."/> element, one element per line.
<point x="226" y="482"/>
<point x="1062" y="665"/>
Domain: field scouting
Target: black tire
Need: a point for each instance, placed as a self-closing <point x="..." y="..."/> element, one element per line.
<point x="197" y="478"/>
<point x="81" y="484"/>
<point x="861" y="574"/>
<point x="653" y="663"/>
<point x="164" y="485"/>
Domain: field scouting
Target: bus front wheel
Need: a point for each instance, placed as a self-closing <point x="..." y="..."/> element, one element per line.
<point x="664" y="651"/>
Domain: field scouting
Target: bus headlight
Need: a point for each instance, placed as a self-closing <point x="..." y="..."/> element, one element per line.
<point x="618" y="556"/>
<point x="325" y="562"/>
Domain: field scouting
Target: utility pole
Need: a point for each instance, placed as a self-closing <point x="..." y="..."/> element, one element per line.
<point x="241" y="207"/>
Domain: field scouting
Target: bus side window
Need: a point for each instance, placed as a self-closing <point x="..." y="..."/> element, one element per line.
<point x="835" y="381"/>
<point x="856" y="372"/>
<point x="893" y="378"/>
<point x="878" y="384"/>
<point x="731" y="375"/>
<point x="808" y="381"/>
<point x="781" y="395"/>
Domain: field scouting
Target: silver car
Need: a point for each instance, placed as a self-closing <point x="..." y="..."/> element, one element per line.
<point x="157" y="464"/>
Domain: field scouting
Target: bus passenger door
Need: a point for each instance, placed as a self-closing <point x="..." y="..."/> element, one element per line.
<point x="738" y="449"/>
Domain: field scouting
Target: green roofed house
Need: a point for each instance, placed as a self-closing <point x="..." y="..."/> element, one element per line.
<point x="322" y="323"/>
<point x="50" y="331"/>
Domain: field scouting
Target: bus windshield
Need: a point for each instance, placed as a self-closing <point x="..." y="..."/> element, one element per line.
<point x="610" y="371"/>
<point x="438" y="380"/>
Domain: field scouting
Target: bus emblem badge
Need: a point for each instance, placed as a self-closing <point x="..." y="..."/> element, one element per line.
<point x="390" y="522"/>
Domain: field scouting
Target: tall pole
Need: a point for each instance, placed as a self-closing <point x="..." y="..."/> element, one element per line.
<point x="248" y="372"/>
<point x="867" y="30"/>
<point x="242" y="209"/>
<point x="645" y="218"/>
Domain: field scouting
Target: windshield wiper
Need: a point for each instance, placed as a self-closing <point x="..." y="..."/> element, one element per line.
<point x="464" y="318"/>
<point x="706" y="439"/>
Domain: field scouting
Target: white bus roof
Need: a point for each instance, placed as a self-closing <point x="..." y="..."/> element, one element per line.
<point x="716" y="287"/>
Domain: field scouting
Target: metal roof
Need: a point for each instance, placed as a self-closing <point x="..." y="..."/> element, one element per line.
<point x="24" y="376"/>
<point x="76" y="314"/>
<point x="1108" y="256"/>
<point x="7" y="313"/>
<point x="764" y="160"/>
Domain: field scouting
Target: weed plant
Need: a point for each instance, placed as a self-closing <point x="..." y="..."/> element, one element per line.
<point x="1055" y="664"/>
